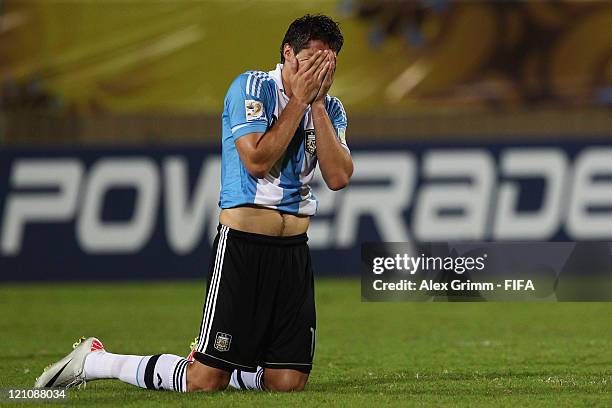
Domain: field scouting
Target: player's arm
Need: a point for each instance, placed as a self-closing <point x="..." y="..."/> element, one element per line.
<point x="260" y="151"/>
<point x="334" y="160"/>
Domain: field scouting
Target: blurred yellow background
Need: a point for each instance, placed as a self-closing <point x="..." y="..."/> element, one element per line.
<point x="402" y="56"/>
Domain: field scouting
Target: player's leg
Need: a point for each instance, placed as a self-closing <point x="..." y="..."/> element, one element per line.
<point x="277" y="380"/>
<point x="157" y="372"/>
<point x="284" y="380"/>
<point x="244" y="380"/>
<point x="288" y="358"/>
<point x="201" y="377"/>
<point x="280" y="380"/>
<point x="90" y="361"/>
<point x="236" y="311"/>
<point x="290" y="341"/>
<point x="215" y="354"/>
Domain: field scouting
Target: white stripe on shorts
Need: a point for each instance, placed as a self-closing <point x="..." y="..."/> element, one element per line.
<point x="213" y="290"/>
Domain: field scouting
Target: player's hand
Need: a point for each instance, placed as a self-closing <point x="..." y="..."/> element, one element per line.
<point x="308" y="78"/>
<point x="328" y="79"/>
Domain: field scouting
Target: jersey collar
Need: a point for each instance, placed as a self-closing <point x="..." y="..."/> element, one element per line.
<point x="278" y="78"/>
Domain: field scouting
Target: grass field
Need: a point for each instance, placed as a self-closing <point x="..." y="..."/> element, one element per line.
<point x="368" y="354"/>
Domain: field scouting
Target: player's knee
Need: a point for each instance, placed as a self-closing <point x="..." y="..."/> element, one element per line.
<point x="286" y="382"/>
<point x="207" y="385"/>
<point x="204" y="378"/>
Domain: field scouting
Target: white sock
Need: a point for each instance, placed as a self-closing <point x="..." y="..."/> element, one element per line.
<point x="244" y="380"/>
<point x="162" y="371"/>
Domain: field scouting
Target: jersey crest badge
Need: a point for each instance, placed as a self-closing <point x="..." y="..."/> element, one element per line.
<point x="254" y="110"/>
<point x="223" y="341"/>
<point x="310" y="141"/>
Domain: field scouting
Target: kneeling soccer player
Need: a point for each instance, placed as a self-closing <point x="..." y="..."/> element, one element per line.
<point x="258" y="325"/>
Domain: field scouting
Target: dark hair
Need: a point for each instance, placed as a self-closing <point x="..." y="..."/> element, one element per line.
<point x="312" y="27"/>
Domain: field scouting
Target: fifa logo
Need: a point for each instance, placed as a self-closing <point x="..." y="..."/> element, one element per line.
<point x="223" y="341"/>
<point x="253" y="110"/>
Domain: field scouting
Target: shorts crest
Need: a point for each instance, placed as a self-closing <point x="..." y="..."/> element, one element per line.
<point x="223" y="341"/>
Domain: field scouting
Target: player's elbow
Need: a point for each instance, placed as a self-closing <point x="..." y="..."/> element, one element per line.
<point x="337" y="186"/>
<point x="337" y="182"/>
<point x="257" y="170"/>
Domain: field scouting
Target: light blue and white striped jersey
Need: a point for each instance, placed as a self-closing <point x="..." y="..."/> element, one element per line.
<point x="253" y="103"/>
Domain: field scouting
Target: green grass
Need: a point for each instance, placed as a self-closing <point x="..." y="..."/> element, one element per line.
<point x="368" y="354"/>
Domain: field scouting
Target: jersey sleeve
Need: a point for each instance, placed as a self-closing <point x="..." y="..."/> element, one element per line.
<point x="337" y="114"/>
<point x="247" y="104"/>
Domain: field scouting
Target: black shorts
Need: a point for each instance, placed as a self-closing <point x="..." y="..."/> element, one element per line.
<point x="259" y="307"/>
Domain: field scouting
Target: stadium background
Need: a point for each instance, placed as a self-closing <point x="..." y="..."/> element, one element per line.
<point x="467" y="120"/>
